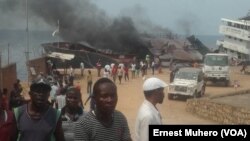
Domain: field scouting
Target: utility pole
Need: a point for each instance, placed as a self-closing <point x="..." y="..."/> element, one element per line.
<point x="8" y="53"/>
<point x="58" y="28"/>
<point x="1" y="72"/>
<point x="27" y="41"/>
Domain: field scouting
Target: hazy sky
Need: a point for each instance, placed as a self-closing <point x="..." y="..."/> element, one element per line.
<point x="198" y="17"/>
<point x="201" y="16"/>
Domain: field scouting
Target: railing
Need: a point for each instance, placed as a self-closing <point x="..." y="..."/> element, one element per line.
<point x="235" y="32"/>
<point x="234" y="47"/>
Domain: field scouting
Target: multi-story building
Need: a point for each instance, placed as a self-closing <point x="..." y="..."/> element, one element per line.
<point x="236" y="34"/>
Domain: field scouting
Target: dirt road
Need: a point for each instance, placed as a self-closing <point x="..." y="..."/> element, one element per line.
<point x="130" y="97"/>
<point x="172" y="111"/>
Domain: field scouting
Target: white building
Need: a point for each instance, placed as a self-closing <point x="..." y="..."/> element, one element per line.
<point x="236" y="40"/>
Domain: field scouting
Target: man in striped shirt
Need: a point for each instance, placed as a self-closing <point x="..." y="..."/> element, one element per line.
<point x="104" y="122"/>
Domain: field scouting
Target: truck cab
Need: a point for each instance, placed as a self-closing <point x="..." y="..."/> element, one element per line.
<point x="216" y="68"/>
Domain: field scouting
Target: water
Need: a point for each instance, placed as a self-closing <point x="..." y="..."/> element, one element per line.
<point x="209" y="40"/>
<point x="17" y="41"/>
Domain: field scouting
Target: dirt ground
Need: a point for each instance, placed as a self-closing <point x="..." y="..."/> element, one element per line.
<point x="130" y="97"/>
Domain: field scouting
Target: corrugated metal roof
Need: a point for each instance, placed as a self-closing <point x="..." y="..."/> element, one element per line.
<point x="175" y="49"/>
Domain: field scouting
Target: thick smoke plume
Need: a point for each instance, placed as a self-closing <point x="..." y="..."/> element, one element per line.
<point x="142" y="22"/>
<point x="81" y="20"/>
<point x="188" y="23"/>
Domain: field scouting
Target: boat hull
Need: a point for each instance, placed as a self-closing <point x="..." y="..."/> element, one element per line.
<point x="88" y="56"/>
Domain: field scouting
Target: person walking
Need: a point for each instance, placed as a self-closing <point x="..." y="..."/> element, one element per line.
<point x="89" y="90"/>
<point x="137" y="69"/>
<point x="19" y="86"/>
<point x="16" y="99"/>
<point x="114" y="72"/>
<point x="153" y="67"/>
<point x="98" y="67"/>
<point x="60" y="98"/>
<point x="37" y="120"/>
<point x="133" y="65"/>
<point x="5" y="100"/>
<point x="104" y="122"/>
<point x="60" y="101"/>
<point x="71" y="71"/>
<point x="82" y="69"/>
<point x="244" y="66"/>
<point x="172" y="74"/>
<point x="148" y="114"/>
<point x="53" y="93"/>
<point x="92" y="102"/>
<point x="106" y="73"/>
<point x="126" y="74"/>
<point x="89" y="82"/>
<point x="120" y="74"/>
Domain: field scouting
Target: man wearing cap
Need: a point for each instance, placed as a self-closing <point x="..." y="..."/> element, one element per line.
<point x="148" y="114"/>
<point x="38" y="120"/>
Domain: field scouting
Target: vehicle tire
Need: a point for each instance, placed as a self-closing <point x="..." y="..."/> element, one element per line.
<point x="195" y="95"/>
<point x="202" y="92"/>
<point x="227" y="83"/>
<point x="170" y="96"/>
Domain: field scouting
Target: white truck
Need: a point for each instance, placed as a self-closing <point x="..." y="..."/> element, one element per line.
<point x="216" y="68"/>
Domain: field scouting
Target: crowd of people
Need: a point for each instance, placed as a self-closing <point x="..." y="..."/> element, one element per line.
<point x="55" y="110"/>
<point x="121" y="71"/>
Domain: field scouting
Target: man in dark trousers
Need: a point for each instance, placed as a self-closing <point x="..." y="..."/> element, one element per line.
<point x="99" y="67"/>
<point x="172" y="74"/>
<point x="244" y="66"/>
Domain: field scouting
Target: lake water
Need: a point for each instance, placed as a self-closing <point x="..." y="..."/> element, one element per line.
<point x="209" y="40"/>
<point x="15" y="42"/>
<point x="13" y="45"/>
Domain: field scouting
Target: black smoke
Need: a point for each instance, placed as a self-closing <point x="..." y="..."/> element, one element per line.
<point x="81" y="20"/>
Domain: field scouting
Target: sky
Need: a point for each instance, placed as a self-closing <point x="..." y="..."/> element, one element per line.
<point x="196" y="17"/>
<point x="201" y="16"/>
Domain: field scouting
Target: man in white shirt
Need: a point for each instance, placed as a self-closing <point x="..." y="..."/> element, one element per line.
<point x="148" y="114"/>
<point x="121" y="65"/>
<point x="82" y="68"/>
<point x="108" y="68"/>
<point x="133" y="65"/>
<point x="153" y="67"/>
<point x="60" y="100"/>
<point x="53" y="93"/>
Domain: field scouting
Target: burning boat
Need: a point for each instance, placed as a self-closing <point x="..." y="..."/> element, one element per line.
<point x="65" y="54"/>
<point x="179" y="50"/>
